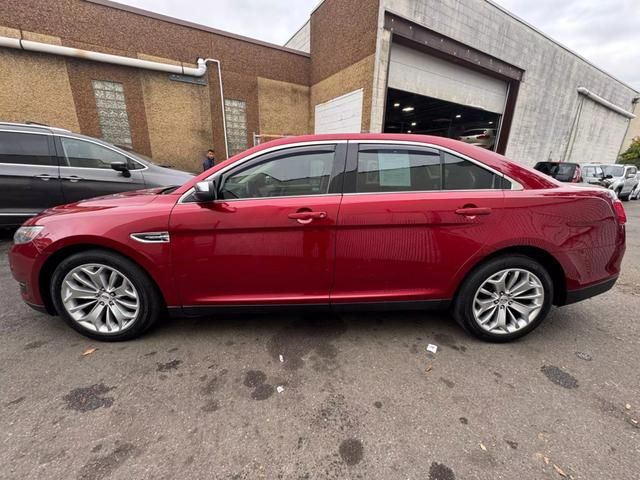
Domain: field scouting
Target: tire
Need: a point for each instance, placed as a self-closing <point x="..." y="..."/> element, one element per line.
<point x="130" y="310"/>
<point x="624" y="198"/>
<point x="465" y="300"/>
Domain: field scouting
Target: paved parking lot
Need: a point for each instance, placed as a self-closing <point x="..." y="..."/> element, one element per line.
<point x="362" y="397"/>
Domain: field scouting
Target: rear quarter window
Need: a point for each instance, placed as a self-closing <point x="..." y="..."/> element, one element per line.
<point x="25" y="149"/>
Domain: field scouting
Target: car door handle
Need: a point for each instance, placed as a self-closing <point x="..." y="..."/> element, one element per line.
<point x="473" y="211"/>
<point x="72" y="178"/>
<point x="307" y="216"/>
<point x="45" y="177"/>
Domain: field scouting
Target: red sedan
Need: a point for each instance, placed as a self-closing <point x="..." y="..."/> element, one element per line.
<point x="332" y="221"/>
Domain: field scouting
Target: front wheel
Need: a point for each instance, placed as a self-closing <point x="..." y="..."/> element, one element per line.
<point x="504" y="299"/>
<point x="105" y="296"/>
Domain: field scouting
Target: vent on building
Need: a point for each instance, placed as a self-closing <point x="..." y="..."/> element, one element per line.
<point x="236" y="113"/>
<point x="112" y="112"/>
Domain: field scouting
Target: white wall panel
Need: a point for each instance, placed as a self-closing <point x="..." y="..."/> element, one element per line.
<point x="340" y="115"/>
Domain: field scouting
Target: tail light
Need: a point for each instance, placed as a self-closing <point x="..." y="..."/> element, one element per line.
<point x="484" y="136"/>
<point x="576" y="175"/>
<point x="620" y="213"/>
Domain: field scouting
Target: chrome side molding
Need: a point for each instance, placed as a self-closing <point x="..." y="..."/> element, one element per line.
<point x="151" y="237"/>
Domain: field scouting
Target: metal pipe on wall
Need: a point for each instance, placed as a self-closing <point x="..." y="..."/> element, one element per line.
<point x="199" y="71"/>
<point x="605" y="103"/>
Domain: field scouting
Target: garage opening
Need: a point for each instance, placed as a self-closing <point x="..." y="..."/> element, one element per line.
<point x="432" y="95"/>
<point x="407" y="112"/>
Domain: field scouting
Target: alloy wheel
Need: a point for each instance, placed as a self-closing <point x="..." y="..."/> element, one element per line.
<point x="100" y="298"/>
<point x="508" y="301"/>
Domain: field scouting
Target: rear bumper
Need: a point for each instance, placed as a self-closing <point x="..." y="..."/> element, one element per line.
<point x="580" y="294"/>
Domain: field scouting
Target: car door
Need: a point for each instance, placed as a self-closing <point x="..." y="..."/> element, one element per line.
<point x="270" y="238"/>
<point x="629" y="179"/>
<point x="86" y="172"/>
<point x="410" y="218"/>
<point x="29" y="175"/>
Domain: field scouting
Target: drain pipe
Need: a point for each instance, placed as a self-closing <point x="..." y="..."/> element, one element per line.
<point x="605" y="103"/>
<point x="199" y="71"/>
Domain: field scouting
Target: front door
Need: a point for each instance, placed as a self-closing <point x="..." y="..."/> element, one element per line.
<point x="410" y="218"/>
<point x="269" y="239"/>
<point x="86" y="171"/>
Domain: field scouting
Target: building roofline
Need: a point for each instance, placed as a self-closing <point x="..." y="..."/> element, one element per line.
<point x="196" y="26"/>
<point x="556" y="42"/>
<point x="298" y="31"/>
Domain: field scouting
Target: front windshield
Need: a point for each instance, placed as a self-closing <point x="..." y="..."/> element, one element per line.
<point x="613" y="170"/>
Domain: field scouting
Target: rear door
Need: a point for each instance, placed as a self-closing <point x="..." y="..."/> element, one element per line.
<point x="86" y="172"/>
<point x="29" y="175"/>
<point x="410" y="218"/>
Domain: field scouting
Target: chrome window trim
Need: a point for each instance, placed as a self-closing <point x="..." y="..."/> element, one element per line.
<point x="100" y="144"/>
<point x="4" y="214"/>
<point x="257" y="154"/>
<point x="163" y="237"/>
<point x="26" y="133"/>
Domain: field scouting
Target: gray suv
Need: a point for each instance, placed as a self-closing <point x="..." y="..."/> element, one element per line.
<point x="41" y="167"/>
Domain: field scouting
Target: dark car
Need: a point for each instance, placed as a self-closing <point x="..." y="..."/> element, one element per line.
<point x="328" y="222"/>
<point x="561" y="171"/>
<point x="41" y="167"/>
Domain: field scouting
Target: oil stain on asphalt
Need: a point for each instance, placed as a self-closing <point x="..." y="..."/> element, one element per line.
<point x="89" y="398"/>
<point x="351" y="451"/>
<point x="300" y="337"/>
<point x="172" y="365"/>
<point x="440" y="471"/>
<point x="256" y="379"/>
<point x="559" y="376"/>
<point x="103" y="467"/>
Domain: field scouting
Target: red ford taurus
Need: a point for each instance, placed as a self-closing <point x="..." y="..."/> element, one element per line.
<point x="339" y="221"/>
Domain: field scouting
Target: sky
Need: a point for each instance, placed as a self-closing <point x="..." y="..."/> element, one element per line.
<point x="605" y="32"/>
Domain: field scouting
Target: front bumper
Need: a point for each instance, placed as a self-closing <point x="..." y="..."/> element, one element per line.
<point x="25" y="262"/>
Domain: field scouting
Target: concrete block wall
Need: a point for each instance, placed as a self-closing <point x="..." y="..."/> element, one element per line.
<point x="548" y="97"/>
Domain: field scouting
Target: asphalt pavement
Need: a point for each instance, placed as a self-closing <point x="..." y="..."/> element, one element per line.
<point x="355" y="396"/>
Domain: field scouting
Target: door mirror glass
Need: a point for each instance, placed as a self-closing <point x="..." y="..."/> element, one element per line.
<point x="206" y="191"/>
<point x="121" y="167"/>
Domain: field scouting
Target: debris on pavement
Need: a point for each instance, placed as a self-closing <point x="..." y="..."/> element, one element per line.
<point x="428" y="369"/>
<point x="88" y="351"/>
<point x="584" y="356"/>
<point x="280" y="388"/>
<point x="559" y="471"/>
<point x="483" y="447"/>
<point x="628" y="406"/>
<point x="432" y="348"/>
<point x="281" y="358"/>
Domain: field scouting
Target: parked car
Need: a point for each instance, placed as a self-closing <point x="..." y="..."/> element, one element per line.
<point x="621" y="179"/>
<point x="480" y="137"/>
<point x="635" y="193"/>
<point x="42" y="166"/>
<point x="592" y="173"/>
<point x="561" y="171"/>
<point x="328" y="221"/>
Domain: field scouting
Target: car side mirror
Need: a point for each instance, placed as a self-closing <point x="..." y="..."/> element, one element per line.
<point x="206" y="191"/>
<point x="122" y="168"/>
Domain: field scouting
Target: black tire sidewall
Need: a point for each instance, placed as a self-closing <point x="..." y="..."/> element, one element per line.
<point x="148" y="296"/>
<point x="463" y="303"/>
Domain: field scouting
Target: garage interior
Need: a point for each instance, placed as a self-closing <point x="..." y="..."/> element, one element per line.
<point x="407" y="112"/>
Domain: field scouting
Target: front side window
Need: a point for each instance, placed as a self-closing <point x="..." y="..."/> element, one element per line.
<point x="461" y="174"/>
<point x="401" y="169"/>
<point x="613" y="170"/>
<point x="25" y="149"/>
<point x="293" y="174"/>
<point x="82" y="154"/>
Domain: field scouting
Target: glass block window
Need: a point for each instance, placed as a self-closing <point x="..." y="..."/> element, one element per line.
<point x="112" y="112"/>
<point x="236" y="113"/>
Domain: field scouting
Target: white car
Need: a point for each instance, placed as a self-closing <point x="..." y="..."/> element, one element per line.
<point x="480" y="137"/>
<point x="622" y="179"/>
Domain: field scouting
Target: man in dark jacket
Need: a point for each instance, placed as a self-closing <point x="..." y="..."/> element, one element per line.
<point x="209" y="160"/>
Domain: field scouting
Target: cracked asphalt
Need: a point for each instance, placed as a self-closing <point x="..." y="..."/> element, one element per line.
<point x="356" y="396"/>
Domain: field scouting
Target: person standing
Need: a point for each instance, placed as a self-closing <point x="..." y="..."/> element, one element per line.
<point x="210" y="160"/>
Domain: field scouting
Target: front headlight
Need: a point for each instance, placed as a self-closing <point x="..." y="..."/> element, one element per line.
<point x="26" y="234"/>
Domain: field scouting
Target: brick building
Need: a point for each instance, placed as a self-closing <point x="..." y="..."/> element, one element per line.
<point x="423" y="66"/>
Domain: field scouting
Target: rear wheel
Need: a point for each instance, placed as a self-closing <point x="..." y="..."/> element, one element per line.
<point x="624" y="198"/>
<point x="105" y="296"/>
<point x="504" y="299"/>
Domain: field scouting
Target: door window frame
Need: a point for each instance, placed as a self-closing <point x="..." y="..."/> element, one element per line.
<point x="336" y="179"/>
<point x="350" y="182"/>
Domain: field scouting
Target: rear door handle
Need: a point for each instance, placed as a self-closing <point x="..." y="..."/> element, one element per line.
<point x="307" y="217"/>
<point x="45" y="177"/>
<point x="473" y="211"/>
<point x="73" y="178"/>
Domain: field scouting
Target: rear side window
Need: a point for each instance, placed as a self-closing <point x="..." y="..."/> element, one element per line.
<point x="382" y="169"/>
<point x="25" y="149"/>
<point x="461" y="174"/>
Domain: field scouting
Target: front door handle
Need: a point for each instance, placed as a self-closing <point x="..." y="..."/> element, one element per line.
<point x="473" y="211"/>
<point x="73" y="178"/>
<point x="45" y="177"/>
<point x="306" y="217"/>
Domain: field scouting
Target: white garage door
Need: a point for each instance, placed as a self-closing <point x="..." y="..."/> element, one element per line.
<point x="417" y="72"/>
<point x="341" y="115"/>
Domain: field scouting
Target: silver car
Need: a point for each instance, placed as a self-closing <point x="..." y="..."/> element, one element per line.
<point x="480" y="137"/>
<point x="621" y="179"/>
